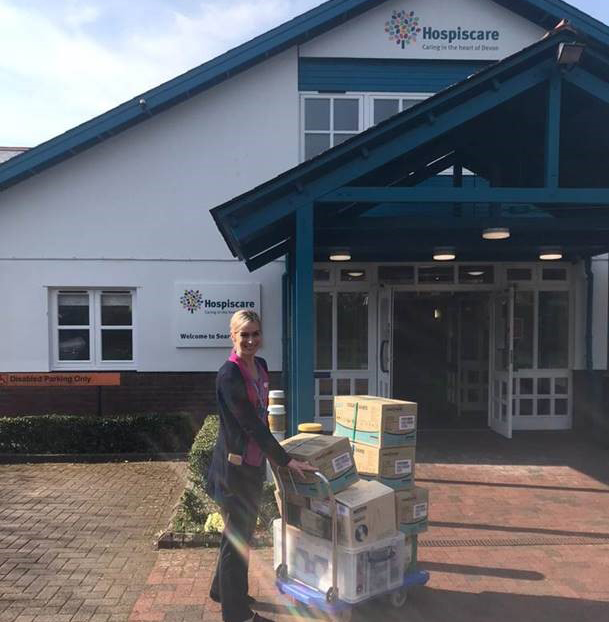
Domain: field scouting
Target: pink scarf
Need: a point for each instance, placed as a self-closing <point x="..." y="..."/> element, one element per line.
<point x="258" y="395"/>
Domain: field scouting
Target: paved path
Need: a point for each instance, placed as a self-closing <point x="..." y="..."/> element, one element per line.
<point x="519" y="531"/>
<point x="76" y="539"/>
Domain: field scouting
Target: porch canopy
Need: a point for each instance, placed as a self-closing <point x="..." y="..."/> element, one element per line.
<point x="534" y="131"/>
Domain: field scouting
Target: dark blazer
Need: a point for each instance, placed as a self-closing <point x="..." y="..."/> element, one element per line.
<point x="238" y="423"/>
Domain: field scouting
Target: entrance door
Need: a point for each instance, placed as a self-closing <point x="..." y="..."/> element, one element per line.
<point x="385" y="341"/>
<point x="501" y="363"/>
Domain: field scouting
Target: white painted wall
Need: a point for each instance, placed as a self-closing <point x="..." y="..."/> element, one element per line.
<point x="25" y="343"/>
<point x="365" y="36"/>
<point x="145" y="195"/>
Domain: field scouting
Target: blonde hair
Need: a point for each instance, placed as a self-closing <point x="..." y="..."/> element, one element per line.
<point x="242" y="317"/>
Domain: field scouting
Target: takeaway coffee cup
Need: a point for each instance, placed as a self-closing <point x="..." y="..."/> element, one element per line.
<point x="276" y="397"/>
<point x="277" y="417"/>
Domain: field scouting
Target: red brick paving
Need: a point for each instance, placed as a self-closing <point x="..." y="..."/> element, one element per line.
<point x="74" y="542"/>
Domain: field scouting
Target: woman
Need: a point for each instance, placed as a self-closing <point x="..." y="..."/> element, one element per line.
<point x="238" y="468"/>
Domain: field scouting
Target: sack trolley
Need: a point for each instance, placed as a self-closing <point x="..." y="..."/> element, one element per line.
<point x="330" y="601"/>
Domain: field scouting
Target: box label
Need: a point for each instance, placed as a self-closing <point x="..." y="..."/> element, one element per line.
<point x="407" y="422"/>
<point x="342" y="462"/>
<point x="419" y="511"/>
<point x="403" y="467"/>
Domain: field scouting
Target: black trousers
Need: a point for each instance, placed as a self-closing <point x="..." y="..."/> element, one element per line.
<point x="240" y="509"/>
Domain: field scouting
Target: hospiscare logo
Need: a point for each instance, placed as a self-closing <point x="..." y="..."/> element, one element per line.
<point x="193" y="300"/>
<point x="404" y="28"/>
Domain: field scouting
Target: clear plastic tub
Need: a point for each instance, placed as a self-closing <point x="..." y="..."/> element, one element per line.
<point x="362" y="572"/>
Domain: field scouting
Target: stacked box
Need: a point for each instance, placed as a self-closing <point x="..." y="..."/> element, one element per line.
<point x="375" y="421"/>
<point x="364" y="514"/>
<point x="330" y="455"/>
<point x="382" y="432"/>
<point x="411" y="510"/>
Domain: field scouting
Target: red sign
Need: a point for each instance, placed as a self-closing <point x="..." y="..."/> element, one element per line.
<point x="78" y="379"/>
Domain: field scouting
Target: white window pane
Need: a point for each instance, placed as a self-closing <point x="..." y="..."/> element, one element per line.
<point x="346" y="115"/>
<point x="341" y="138"/>
<point x="73" y="309"/>
<point x="117" y="345"/>
<point x="317" y="114"/>
<point x="74" y="345"/>
<point x="316" y="144"/>
<point x="385" y="108"/>
<point x="409" y="103"/>
<point x="116" y="309"/>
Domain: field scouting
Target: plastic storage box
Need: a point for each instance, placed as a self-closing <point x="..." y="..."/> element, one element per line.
<point x="363" y="571"/>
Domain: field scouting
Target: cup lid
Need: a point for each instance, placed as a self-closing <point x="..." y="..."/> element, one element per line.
<point x="276" y="409"/>
<point x="276" y="393"/>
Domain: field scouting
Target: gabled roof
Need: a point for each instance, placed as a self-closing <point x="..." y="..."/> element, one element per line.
<point x="493" y="121"/>
<point x="326" y="16"/>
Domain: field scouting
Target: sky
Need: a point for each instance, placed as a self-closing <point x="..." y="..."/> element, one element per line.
<point x="63" y="62"/>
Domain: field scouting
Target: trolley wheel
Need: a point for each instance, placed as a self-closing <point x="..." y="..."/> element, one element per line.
<point x="398" y="598"/>
<point x="344" y="615"/>
<point x="281" y="572"/>
<point x="332" y="595"/>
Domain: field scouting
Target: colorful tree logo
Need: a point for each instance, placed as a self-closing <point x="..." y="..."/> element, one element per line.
<point x="192" y="300"/>
<point x="403" y="27"/>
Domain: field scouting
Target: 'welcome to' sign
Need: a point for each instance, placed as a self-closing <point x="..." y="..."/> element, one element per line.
<point x="202" y="311"/>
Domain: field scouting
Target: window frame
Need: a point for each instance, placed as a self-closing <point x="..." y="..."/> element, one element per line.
<point x="94" y="362"/>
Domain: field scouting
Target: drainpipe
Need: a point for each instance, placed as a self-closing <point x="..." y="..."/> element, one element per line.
<point x="589" y="303"/>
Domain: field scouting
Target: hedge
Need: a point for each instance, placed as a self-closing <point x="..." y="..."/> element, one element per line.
<point x="73" y="434"/>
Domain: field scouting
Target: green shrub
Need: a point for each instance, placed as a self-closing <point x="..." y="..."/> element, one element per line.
<point x="73" y="434"/>
<point x="199" y="458"/>
<point x="195" y="505"/>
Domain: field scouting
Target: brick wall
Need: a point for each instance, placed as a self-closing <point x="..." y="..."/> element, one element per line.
<point x="162" y="392"/>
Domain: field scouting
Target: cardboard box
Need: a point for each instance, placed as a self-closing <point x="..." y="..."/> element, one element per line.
<point x="293" y="509"/>
<point x="411" y="509"/>
<point x="393" y="466"/>
<point x="375" y="421"/>
<point x="331" y="455"/>
<point x="365" y="513"/>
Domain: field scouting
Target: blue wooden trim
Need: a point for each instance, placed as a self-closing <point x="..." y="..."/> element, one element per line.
<point x="552" y="137"/>
<point x="586" y="81"/>
<point x="384" y="143"/>
<point x="303" y="312"/>
<point x="394" y="194"/>
<point x="589" y="312"/>
<point x="382" y="75"/>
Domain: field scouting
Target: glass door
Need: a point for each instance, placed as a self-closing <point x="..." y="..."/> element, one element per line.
<point x="501" y="363"/>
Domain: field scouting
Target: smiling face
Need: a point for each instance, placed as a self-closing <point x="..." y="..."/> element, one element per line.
<point x="247" y="339"/>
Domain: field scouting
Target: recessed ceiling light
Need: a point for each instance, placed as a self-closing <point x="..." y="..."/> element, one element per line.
<point x="496" y="233"/>
<point x="340" y="256"/>
<point x="475" y="272"/>
<point x="444" y="254"/>
<point x="355" y="274"/>
<point x="550" y="254"/>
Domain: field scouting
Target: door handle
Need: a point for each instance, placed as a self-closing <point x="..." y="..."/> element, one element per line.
<point x="384" y="345"/>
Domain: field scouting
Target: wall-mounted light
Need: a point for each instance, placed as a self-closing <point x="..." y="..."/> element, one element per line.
<point x="550" y="254"/>
<point x="496" y="233"/>
<point x="341" y="255"/>
<point x="444" y="253"/>
<point x="569" y="53"/>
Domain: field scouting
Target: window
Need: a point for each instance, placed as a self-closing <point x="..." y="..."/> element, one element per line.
<point x="330" y="121"/>
<point x="92" y="329"/>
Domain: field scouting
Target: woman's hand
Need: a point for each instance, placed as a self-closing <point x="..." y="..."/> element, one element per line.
<point x="300" y="467"/>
